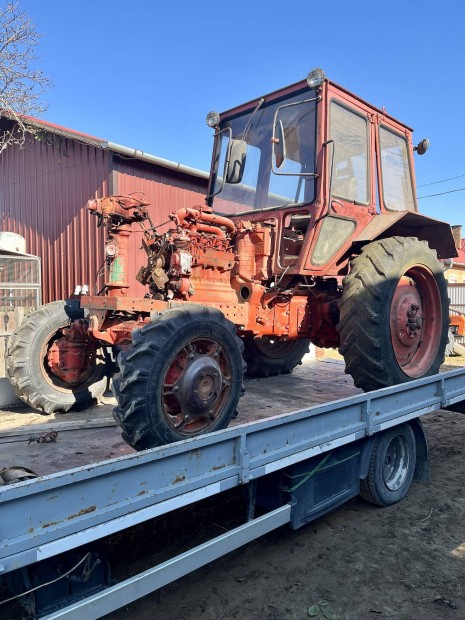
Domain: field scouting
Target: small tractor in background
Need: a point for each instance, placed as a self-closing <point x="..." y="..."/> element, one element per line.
<point x="310" y="233"/>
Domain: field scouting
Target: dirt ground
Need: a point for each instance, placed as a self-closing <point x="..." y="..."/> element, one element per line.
<point x="405" y="562"/>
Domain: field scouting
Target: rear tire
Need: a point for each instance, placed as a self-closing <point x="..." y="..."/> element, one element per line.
<point x="27" y="366"/>
<point x="394" y="313"/>
<point x="267" y="357"/>
<point x="391" y="468"/>
<point x="181" y="377"/>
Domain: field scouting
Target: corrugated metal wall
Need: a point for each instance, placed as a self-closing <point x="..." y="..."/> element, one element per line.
<point x="165" y="189"/>
<point x="457" y="296"/>
<point x="44" y="189"/>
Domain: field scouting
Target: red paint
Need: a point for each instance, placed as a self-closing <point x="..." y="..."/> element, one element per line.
<point x="415" y="316"/>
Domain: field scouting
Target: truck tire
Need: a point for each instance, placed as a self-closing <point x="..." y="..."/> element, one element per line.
<point x="181" y="377"/>
<point x="394" y="317"/>
<point x="391" y="467"/>
<point x="28" y="370"/>
<point x="267" y="357"/>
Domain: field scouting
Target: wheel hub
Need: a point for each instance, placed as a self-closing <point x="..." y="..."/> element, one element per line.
<point x="406" y="319"/>
<point x="396" y="463"/>
<point x="199" y="387"/>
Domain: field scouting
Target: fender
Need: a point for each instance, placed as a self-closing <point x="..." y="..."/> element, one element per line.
<point x="407" y="224"/>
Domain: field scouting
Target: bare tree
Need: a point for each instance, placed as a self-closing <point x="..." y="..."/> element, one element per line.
<point x="21" y="84"/>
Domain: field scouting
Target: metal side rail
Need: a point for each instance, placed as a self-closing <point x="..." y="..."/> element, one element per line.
<point x="59" y="512"/>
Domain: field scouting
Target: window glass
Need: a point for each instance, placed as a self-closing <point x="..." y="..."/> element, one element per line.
<point x="334" y="231"/>
<point x="261" y="186"/>
<point x="395" y="172"/>
<point x="350" y="172"/>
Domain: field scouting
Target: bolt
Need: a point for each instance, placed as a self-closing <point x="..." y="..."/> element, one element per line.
<point x="190" y="356"/>
<point x="176" y="388"/>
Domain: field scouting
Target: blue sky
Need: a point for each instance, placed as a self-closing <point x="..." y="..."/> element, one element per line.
<point x="144" y="74"/>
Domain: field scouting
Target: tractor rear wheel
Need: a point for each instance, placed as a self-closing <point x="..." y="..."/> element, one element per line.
<point x="181" y="377"/>
<point x="267" y="357"/>
<point x="393" y="313"/>
<point x="29" y="370"/>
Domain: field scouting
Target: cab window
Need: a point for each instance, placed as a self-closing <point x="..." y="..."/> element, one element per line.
<point x="350" y="172"/>
<point x="395" y="172"/>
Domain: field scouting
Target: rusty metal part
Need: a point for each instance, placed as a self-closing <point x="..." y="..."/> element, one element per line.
<point x="415" y="311"/>
<point x="196" y="385"/>
<point x="203" y="219"/>
<point x="71" y="357"/>
<point x="126" y="208"/>
<point x="47" y="438"/>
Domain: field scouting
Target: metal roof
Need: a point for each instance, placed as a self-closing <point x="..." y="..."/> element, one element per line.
<point x="119" y="149"/>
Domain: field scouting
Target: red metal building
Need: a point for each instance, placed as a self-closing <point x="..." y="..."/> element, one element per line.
<point x="45" y="186"/>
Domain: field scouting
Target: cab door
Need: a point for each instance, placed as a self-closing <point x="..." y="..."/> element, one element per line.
<point x="350" y="147"/>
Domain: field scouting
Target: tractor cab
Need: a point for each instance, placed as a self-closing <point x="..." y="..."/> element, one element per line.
<point x="318" y="164"/>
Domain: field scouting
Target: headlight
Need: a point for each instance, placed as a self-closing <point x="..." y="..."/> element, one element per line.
<point x="315" y="78"/>
<point x="213" y="119"/>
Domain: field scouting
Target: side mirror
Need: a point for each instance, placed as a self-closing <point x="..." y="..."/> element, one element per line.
<point x="279" y="144"/>
<point x="236" y="161"/>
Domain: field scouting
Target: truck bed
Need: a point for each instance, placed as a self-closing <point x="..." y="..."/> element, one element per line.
<point x="91" y="436"/>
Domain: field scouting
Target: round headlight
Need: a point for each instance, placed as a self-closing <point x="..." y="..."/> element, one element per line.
<point x="315" y="78"/>
<point x="213" y="119"/>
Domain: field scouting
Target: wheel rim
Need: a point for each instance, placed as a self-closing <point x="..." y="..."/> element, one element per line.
<point x="196" y="386"/>
<point x="415" y="321"/>
<point x="396" y="463"/>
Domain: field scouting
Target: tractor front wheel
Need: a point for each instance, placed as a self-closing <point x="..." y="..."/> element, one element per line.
<point x="267" y="356"/>
<point x="30" y="372"/>
<point x="181" y="377"/>
<point x="394" y="316"/>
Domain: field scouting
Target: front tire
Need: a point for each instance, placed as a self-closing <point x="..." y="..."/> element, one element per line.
<point x="181" y="377"/>
<point x="268" y="357"/>
<point x="30" y="374"/>
<point x="394" y="317"/>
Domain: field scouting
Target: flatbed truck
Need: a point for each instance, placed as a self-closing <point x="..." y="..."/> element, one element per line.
<point x="293" y="467"/>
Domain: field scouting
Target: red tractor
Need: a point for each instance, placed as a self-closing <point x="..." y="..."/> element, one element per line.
<point x="310" y="233"/>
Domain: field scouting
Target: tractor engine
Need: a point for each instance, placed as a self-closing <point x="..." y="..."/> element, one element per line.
<point x="207" y="258"/>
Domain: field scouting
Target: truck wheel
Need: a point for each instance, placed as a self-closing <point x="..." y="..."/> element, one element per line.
<point x="394" y="317"/>
<point x="30" y="373"/>
<point x="391" y="468"/>
<point x="267" y="356"/>
<point x="181" y="377"/>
